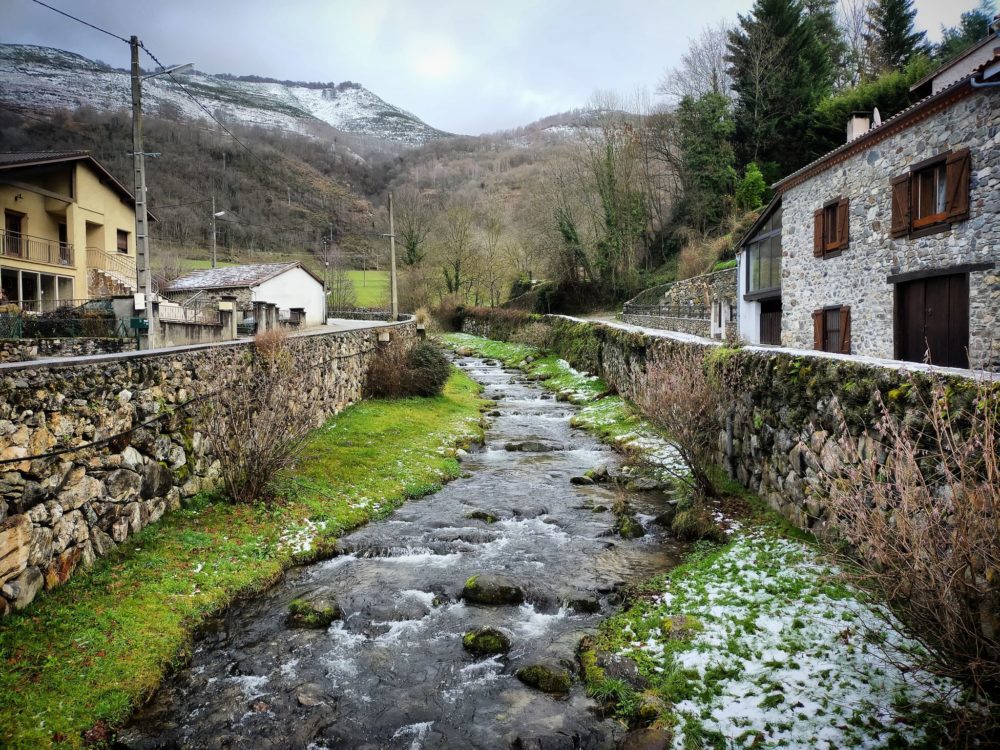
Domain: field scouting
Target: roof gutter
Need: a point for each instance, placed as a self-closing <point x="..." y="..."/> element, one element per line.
<point x="988" y="73"/>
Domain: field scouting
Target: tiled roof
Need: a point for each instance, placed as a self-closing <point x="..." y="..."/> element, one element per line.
<point x="231" y="277"/>
<point x="39" y="157"/>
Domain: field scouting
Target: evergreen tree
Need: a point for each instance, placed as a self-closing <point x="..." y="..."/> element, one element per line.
<point x="822" y="16"/>
<point x="975" y="25"/>
<point x="891" y="38"/>
<point x="705" y="127"/>
<point x="780" y="71"/>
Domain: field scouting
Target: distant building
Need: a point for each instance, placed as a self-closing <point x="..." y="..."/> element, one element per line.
<point x="290" y="286"/>
<point x="888" y="246"/>
<point x="68" y="231"/>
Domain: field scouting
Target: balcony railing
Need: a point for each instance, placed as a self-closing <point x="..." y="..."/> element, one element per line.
<point x="35" y="249"/>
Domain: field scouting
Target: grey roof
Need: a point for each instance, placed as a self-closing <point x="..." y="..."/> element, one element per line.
<point x="22" y="159"/>
<point x="231" y="277"/>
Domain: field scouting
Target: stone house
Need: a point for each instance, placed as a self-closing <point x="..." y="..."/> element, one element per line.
<point x="68" y="232"/>
<point x="888" y="245"/>
<point x="294" y="289"/>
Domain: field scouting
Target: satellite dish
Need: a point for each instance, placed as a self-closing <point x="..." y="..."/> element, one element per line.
<point x="876" y="118"/>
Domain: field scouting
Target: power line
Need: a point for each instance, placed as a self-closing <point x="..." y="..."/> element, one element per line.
<point x="80" y="20"/>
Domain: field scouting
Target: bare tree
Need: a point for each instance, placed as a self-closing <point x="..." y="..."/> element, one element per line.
<point x="703" y="68"/>
<point x="853" y="17"/>
<point x="456" y="246"/>
<point x="414" y="222"/>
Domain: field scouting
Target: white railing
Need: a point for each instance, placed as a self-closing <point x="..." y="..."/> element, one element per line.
<point x="205" y="312"/>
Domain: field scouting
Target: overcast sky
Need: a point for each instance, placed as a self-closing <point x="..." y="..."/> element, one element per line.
<point x="460" y="65"/>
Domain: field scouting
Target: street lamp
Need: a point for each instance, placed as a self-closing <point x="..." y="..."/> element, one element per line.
<point x="139" y="165"/>
<point x="215" y="215"/>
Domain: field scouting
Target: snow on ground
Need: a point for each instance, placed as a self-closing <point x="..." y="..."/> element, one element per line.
<point x="780" y="654"/>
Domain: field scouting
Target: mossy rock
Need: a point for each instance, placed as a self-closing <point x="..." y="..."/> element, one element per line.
<point x="492" y="589"/>
<point x="483" y="515"/>
<point x="694" y="524"/>
<point x="316" y="614"/>
<point x="548" y="678"/>
<point x="628" y="527"/>
<point x="485" y="641"/>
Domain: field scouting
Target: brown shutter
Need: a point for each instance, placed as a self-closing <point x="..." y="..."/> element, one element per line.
<point x="900" y="205"/>
<point x="818" y="330"/>
<point x="959" y="171"/>
<point x="818" y="233"/>
<point x="843" y="223"/>
<point x="845" y="330"/>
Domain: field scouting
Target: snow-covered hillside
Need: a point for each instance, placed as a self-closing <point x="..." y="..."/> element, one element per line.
<point x="47" y="78"/>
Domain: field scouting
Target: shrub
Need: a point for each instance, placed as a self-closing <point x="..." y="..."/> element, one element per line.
<point x="536" y="334"/>
<point x="257" y="421"/>
<point x="920" y="508"/>
<point x="680" y="398"/>
<point x="398" y="372"/>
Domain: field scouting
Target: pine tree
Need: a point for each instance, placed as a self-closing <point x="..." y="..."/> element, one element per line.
<point x="705" y="126"/>
<point x="891" y="38"/>
<point x="975" y="24"/>
<point x="780" y="71"/>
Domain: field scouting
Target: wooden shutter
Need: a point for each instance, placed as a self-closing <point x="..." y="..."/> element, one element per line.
<point x="843" y="223"/>
<point x="818" y="330"/>
<point x="959" y="166"/>
<point x="900" y="205"/>
<point x="845" y="330"/>
<point x="818" y="233"/>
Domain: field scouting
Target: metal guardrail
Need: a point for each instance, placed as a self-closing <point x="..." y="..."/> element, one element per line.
<point x="35" y="249"/>
<point x="689" y="312"/>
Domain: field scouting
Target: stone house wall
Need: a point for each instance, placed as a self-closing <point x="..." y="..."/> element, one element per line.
<point x="94" y="449"/>
<point x="857" y="277"/>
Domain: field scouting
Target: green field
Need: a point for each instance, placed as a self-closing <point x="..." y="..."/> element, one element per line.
<point x="370" y="287"/>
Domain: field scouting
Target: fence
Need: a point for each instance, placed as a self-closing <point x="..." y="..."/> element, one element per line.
<point x="200" y="311"/>
<point x="71" y="318"/>
<point x="689" y="311"/>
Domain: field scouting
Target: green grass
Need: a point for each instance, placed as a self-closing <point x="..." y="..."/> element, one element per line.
<point x="371" y="288"/>
<point x="93" y="649"/>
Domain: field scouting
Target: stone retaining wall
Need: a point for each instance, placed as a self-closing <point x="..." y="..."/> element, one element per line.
<point x="701" y="306"/>
<point x="25" y="350"/>
<point x="787" y="434"/>
<point x="94" y="449"/>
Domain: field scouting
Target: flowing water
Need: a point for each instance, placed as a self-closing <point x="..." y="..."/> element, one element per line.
<point x="394" y="673"/>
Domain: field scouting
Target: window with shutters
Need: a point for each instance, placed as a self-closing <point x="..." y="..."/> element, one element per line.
<point x="832" y="329"/>
<point x="831" y="230"/>
<point x="932" y="196"/>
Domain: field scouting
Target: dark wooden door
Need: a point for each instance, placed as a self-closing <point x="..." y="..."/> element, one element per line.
<point x="932" y="320"/>
<point x="770" y="322"/>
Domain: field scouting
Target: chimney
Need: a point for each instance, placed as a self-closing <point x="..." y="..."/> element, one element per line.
<point x="858" y="125"/>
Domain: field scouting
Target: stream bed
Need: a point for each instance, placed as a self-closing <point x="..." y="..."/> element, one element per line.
<point x="393" y="673"/>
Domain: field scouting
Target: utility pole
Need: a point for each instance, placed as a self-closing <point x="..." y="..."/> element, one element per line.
<point x="289" y="197"/>
<point x="139" y="166"/>
<point x="214" y="262"/>
<point x="394" y="303"/>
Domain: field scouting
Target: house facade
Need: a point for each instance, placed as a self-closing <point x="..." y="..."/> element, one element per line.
<point x="889" y="246"/>
<point x="289" y="286"/>
<point x="68" y="231"/>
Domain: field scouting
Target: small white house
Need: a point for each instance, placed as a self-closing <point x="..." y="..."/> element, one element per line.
<point x="290" y="286"/>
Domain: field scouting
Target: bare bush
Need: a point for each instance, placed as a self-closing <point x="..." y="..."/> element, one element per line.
<point x="400" y="372"/>
<point x="920" y="508"/>
<point x="681" y="398"/>
<point x="258" y="420"/>
<point x="535" y="334"/>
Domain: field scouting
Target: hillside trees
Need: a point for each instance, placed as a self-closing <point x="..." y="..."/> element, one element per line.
<point x="974" y="25"/>
<point x="706" y="128"/>
<point x="414" y="217"/>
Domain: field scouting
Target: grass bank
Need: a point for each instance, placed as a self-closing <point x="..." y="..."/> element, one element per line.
<point x="84" y="655"/>
<point x="755" y="642"/>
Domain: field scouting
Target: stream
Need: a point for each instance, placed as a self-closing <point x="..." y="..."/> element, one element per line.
<point x="393" y="673"/>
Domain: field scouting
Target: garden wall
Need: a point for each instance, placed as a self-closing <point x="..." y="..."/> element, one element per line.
<point x="24" y="350"/>
<point x="791" y="421"/>
<point x="93" y="449"/>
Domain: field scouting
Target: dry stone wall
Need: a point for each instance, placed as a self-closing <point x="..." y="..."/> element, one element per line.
<point x="25" y="350"/>
<point x="793" y="417"/>
<point x="94" y="449"/>
<point x="686" y="306"/>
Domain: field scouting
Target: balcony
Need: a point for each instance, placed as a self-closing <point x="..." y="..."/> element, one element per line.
<point x="35" y="249"/>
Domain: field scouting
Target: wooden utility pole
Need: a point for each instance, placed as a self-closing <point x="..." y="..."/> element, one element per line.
<point x="394" y="301"/>
<point x="139" y="167"/>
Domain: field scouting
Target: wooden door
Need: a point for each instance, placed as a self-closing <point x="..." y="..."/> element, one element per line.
<point x="932" y="320"/>
<point x="12" y="234"/>
<point x="770" y="322"/>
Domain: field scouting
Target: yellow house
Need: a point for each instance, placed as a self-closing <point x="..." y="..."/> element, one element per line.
<point x="68" y="230"/>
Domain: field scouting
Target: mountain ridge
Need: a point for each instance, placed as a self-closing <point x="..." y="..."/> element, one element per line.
<point x="48" y="78"/>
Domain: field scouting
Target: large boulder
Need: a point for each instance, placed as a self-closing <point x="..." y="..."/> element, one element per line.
<point x="647" y="738"/>
<point x="22" y="590"/>
<point x="487" y="588"/>
<point x="156" y="480"/>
